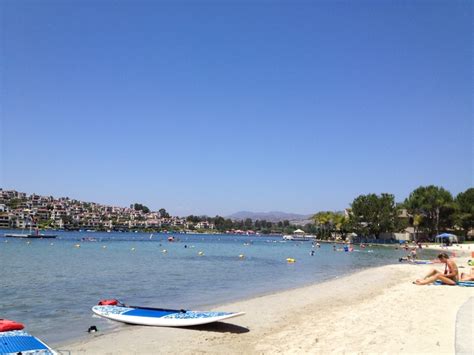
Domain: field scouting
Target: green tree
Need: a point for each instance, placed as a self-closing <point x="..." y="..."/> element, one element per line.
<point x="341" y="224"/>
<point x="324" y="221"/>
<point x="464" y="215"/>
<point x="163" y="213"/>
<point x="140" y="207"/>
<point x="14" y="203"/>
<point x="228" y="224"/>
<point x="435" y="206"/>
<point x="68" y="220"/>
<point x="310" y="228"/>
<point x="248" y="223"/>
<point x="192" y="218"/>
<point x="328" y="223"/>
<point x="219" y="223"/>
<point x="416" y="222"/>
<point x="373" y="214"/>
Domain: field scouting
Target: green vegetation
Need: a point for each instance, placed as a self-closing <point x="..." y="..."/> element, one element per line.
<point x="430" y="210"/>
<point x="373" y="214"/>
<point x="140" y="207"/>
<point x="434" y="207"/>
<point x="464" y="214"/>
<point x="15" y="203"/>
<point x="222" y="224"/>
<point x="163" y="213"/>
<point x="329" y="224"/>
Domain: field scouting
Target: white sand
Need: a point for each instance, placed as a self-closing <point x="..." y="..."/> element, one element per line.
<point x="373" y="311"/>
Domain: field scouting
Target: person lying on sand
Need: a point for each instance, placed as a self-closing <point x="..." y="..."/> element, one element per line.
<point x="449" y="277"/>
<point x="468" y="277"/>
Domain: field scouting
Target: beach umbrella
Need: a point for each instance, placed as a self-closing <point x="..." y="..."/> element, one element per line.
<point x="445" y="235"/>
<point x="449" y="236"/>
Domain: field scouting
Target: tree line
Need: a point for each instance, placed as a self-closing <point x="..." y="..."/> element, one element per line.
<point x="430" y="210"/>
<point x="263" y="226"/>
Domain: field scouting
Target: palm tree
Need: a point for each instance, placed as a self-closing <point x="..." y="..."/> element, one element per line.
<point x="417" y="220"/>
<point x="329" y="222"/>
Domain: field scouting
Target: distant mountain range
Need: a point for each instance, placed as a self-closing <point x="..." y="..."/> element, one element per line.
<point x="273" y="216"/>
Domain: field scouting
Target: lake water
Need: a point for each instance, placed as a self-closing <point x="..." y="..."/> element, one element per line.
<point x="50" y="285"/>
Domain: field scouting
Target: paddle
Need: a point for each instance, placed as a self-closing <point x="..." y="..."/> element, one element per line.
<point x="121" y="304"/>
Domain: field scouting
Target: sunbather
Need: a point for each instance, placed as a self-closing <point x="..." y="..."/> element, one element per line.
<point x="449" y="277"/>
<point x="468" y="277"/>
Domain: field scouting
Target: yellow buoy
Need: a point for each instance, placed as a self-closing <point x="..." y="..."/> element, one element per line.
<point x="241" y="256"/>
<point x="201" y="253"/>
<point x="77" y="245"/>
<point x="290" y="260"/>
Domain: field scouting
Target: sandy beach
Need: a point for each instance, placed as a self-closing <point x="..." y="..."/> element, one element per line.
<point x="377" y="310"/>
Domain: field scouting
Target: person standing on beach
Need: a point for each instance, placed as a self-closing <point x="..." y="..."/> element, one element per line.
<point x="449" y="277"/>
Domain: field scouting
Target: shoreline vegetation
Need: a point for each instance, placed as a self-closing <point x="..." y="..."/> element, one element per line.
<point x="377" y="310"/>
<point x="425" y="213"/>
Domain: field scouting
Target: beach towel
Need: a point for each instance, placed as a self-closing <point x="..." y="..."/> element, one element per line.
<point x="459" y="283"/>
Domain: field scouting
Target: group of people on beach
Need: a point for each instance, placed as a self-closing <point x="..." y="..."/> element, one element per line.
<point x="450" y="276"/>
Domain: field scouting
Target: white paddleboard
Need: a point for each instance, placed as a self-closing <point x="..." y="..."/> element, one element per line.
<point x="161" y="317"/>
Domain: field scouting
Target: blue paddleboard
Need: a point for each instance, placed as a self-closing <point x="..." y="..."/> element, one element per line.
<point x="161" y="317"/>
<point x="19" y="341"/>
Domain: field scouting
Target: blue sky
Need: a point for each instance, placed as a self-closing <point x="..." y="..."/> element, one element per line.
<point x="211" y="107"/>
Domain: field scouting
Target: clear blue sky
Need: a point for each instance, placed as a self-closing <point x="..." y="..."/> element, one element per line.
<point x="211" y="107"/>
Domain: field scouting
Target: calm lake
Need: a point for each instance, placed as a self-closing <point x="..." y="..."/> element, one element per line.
<point x="50" y="285"/>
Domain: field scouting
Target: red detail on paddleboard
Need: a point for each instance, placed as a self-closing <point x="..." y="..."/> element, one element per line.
<point x="108" y="302"/>
<point x="7" y="325"/>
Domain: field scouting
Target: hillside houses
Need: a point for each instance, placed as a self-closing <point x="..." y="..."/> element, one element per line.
<point x="19" y="210"/>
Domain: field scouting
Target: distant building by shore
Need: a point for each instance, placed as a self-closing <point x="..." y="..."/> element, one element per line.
<point x="20" y="210"/>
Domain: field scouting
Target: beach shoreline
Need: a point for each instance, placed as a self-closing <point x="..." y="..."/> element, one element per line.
<point x="374" y="310"/>
<point x="211" y="306"/>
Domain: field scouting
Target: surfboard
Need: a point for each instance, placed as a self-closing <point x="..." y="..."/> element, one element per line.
<point x="19" y="341"/>
<point x="161" y="317"/>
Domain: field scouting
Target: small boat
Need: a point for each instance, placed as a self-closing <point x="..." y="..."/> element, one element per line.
<point x="33" y="234"/>
<point x="158" y="317"/>
<point x="30" y="236"/>
<point x="298" y="238"/>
